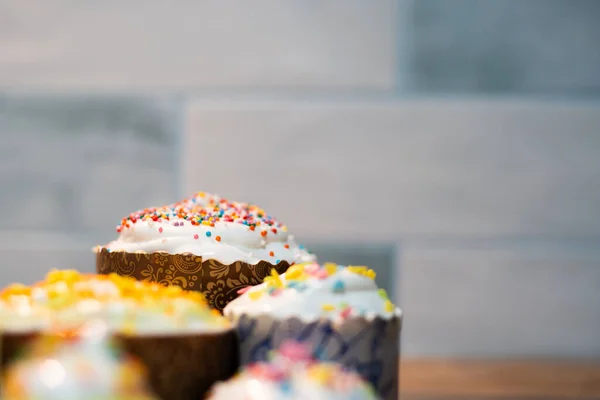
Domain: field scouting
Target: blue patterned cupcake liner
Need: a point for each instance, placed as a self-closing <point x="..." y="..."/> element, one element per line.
<point x="370" y="347"/>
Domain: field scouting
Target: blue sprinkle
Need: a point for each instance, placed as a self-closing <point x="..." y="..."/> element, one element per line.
<point x="301" y="246"/>
<point x="299" y="286"/>
<point x="271" y="290"/>
<point x="338" y="287"/>
<point x="208" y="233"/>
<point x="286" y="387"/>
<point x="277" y="261"/>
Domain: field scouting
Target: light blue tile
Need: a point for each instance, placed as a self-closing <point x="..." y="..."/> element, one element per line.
<point x="498" y="300"/>
<point x="80" y="163"/>
<point x="514" y="46"/>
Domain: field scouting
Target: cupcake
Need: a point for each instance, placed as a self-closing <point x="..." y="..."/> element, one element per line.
<point x="292" y="375"/>
<point x="162" y="326"/>
<point x="204" y="243"/>
<point x="73" y="369"/>
<point x="337" y="310"/>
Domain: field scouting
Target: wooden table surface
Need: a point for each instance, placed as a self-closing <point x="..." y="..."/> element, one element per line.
<point x="499" y="380"/>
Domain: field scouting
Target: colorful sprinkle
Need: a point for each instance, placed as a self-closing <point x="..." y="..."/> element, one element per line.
<point x="244" y="289"/>
<point x="389" y="306"/>
<point x="196" y="236"/>
<point x="208" y="233"/>
<point x="328" y="307"/>
<point x="206" y="209"/>
<point x="271" y="253"/>
<point x="338" y="287"/>
<point x="255" y="295"/>
<point x="218" y="238"/>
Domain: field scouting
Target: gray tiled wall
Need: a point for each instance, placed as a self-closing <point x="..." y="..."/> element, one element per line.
<point x="480" y="216"/>
<point x="512" y="46"/>
<point x="79" y="163"/>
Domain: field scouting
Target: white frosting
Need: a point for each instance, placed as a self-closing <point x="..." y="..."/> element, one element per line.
<point x="163" y="316"/>
<point x="320" y="295"/>
<point x="297" y="385"/>
<point x="87" y="368"/>
<point x="237" y="242"/>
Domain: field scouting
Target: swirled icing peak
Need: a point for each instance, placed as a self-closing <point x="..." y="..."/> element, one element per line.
<point x="292" y="374"/>
<point x="312" y="291"/>
<point x="212" y="227"/>
<point x="68" y="299"/>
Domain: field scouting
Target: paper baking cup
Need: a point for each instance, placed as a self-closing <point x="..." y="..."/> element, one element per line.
<point x="218" y="282"/>
<point x="180" y="367"/>
<point x="371" y="347"/>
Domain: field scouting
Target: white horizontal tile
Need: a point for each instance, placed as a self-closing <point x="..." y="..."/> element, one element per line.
<point x="187" y="44"/>
<point x="365" y="171"/>
<point x="500" y="301"/>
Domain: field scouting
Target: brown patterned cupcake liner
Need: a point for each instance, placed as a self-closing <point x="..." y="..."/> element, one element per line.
<point x="180" y="367"/>
<point x="218" y="282"/>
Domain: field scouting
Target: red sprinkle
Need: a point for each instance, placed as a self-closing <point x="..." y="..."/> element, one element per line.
<point x="160" y="230"/>
<point x="195" y="236"/>
<point x="274" y="230"/>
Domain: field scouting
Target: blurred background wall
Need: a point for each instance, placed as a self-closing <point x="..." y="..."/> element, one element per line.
<point x="452" y="145"/>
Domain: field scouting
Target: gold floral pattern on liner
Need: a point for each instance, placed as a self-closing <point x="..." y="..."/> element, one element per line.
<point x="218" y="282"/>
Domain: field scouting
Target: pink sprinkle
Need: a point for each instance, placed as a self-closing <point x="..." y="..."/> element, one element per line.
<point x="321" y="274"/>
<point x="195" y="236"/>
<point x="346" y="312"/>
<point x="160" y="230"/>
<point x="312" y="269"/>
<point x="276" y="292"/>
<point x="244" y="289"/>
<point x="295" y="351"/>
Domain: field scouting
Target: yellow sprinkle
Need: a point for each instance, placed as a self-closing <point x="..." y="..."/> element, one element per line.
<point x="331" y="268"/>
<point x="389" y="306"/>
<point x="255" y="295"/>
<point x="296" y="273"/>
<point x="321" y="373"/>
<point x="328" y="307"/>
<point x="274" y="280"/>
<point x="362" y="270"/>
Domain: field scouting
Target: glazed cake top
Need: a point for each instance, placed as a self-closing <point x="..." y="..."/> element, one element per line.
<point x="210" y="226"/>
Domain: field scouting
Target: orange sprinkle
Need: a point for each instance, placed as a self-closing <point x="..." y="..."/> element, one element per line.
<point x="218" y="238"/>
<point x="287" y="246"/>
<point x="263" y="233"/>
<point x="271" y="254"/>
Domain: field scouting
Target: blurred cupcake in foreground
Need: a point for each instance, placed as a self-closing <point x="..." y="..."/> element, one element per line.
<point x="185" y="345"/>
<point x="337" y="310"/>
<point x="291" y="374"/>
<point x="204" y="243"/>
<point x="82" y="367"/>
